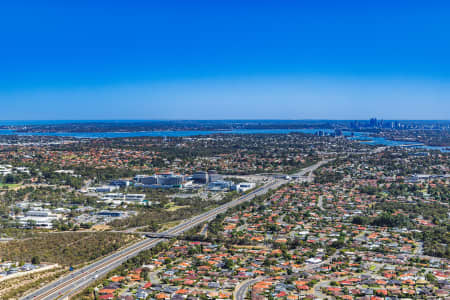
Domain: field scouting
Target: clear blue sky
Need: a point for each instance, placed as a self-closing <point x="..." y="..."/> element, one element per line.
<point x="224" y="59"/>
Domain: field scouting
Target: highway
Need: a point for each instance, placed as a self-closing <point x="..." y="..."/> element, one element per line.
<point x="74" y="282"/>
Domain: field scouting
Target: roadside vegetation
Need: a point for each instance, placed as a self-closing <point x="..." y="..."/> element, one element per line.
<point x="66" y="249"/>
<point x="17" y="287"/>
<point x="156" y="216"/>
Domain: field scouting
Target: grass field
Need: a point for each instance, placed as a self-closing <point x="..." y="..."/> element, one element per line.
<point x="9" y="185"/>
<point x="168" y="225"/>
<point x="176" y="207"/>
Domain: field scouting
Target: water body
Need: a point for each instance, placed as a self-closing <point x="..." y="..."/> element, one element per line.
<point x="359" y="136"/>
<point x="177" y="133"/>
<point x="364" y="138"/>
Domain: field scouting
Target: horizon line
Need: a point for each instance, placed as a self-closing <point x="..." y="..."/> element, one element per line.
<point x="228" y="119"/>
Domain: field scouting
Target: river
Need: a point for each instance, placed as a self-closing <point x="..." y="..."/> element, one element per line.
<point x="359" y="136"/>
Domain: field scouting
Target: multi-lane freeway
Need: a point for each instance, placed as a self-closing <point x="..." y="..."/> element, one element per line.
<point x="73" y="283"/>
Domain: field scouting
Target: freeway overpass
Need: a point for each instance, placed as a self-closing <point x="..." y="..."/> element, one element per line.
<point x="73" y="283"/>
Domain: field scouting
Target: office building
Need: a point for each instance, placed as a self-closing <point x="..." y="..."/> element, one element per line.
<point x="170" y="179"/>
<point x="120" y="197"/>
<point x="38" y="218"/>
<point x="160" y="180"/>
<point x="146" y="180"/>
<point x="200" y="177"/>
<point x="213" y="176"/>
<point x="120" y="183"/>
<point x="217" y="186"/>
<point x="243" y="186"/>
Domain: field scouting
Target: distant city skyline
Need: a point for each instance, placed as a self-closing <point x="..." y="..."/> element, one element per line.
<point x="234" y="60"/>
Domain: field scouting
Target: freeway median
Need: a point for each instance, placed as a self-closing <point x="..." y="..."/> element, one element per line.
<point x="73" y="283"/>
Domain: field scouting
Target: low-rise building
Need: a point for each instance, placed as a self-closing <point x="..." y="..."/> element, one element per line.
<point x="121" y="197"/>
<point x="38" y="218"/>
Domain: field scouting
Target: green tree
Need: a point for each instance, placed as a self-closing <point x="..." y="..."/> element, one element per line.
<point x="35" y="260"/>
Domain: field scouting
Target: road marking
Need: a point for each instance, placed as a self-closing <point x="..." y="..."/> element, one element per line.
<point x="110" y="260"/>
<point x="180" y="228"/>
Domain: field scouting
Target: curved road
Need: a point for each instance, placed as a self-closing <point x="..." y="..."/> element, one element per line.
<point x="73" y="283"/>
<point x="241" y="290"/>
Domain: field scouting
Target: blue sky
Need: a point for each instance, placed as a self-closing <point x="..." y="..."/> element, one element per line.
<point x="225" y="60"/>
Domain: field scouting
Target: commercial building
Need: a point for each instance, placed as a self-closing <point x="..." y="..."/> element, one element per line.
<point x="120" y="183"/>
<point x="110" y="213"/>
<point x="217" y="186"/>
<point x="165" y="180"/>
<point x="38" y="218"/>
<point x="120" y="197"/>
<point x="103" y="189"/>
<point x="200" y="177"/>
<point x="146" y="179"/>
<point x="243" y="186"/>
<point x="170" y="179"/>
<point x="213" y="176"/>
<point x="5" y="170"/>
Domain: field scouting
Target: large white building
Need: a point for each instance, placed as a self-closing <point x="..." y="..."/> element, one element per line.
<point x="103" y="189"/>
<point x="38" y="218"/>
<point x="219" y="186"/>
<point x="5" y="170"/>
<point x="243" y="186"/>
<point x="117" y="198"/>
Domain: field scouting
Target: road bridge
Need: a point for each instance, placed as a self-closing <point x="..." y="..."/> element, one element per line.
<point x="77" y="280"/>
